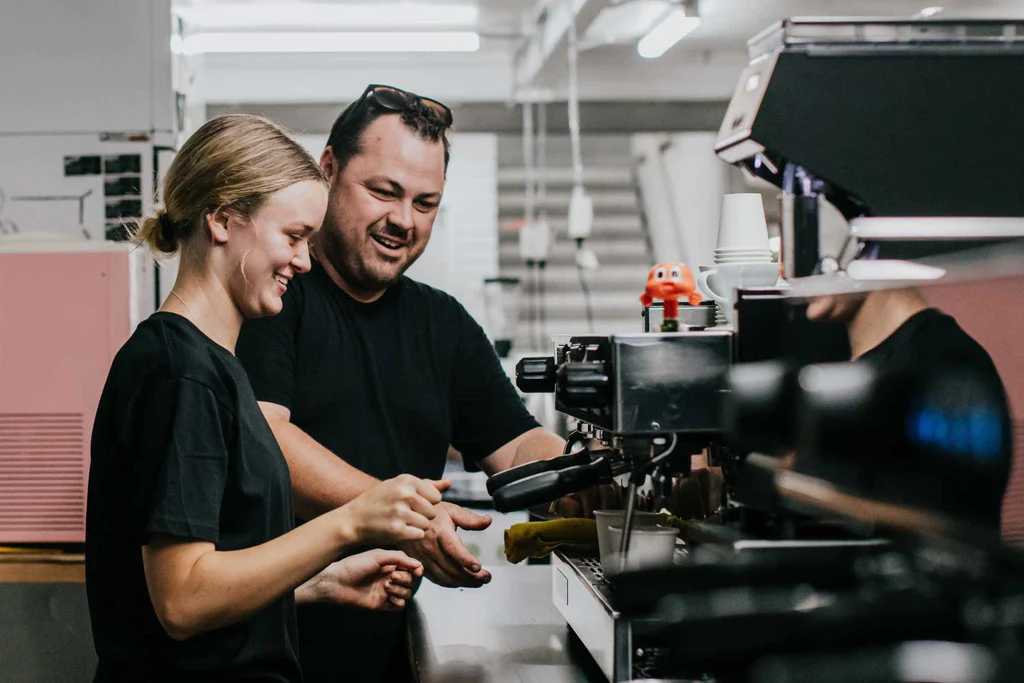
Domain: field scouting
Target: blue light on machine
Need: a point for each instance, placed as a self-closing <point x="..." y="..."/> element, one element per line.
<point x="978" y="433"/>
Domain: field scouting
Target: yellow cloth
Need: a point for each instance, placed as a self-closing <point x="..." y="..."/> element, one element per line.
<point x="537" y="539"/>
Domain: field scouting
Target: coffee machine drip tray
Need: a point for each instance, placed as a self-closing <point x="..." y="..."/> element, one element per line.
<point x="582" y="595"/>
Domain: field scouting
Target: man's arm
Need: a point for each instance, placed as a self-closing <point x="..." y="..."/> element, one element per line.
<point x="535" y="444"/>
<point x="321" y="480"/>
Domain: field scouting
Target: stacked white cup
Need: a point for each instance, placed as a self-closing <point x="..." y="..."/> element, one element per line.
<point x="743" y="258"/>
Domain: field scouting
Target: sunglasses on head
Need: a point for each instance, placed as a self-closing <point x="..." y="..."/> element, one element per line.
<point x="398" y="100"/>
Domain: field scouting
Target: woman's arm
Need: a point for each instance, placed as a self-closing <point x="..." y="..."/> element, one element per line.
<point x="196" y="588"/>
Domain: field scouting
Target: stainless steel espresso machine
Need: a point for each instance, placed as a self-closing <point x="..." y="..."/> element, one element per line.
<point x="912" y="130"/>
<point x="650" y="400"/>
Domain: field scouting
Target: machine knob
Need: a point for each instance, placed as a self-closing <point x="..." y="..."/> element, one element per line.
<point x="584" y="384"/>
<point x="536" y="375"/>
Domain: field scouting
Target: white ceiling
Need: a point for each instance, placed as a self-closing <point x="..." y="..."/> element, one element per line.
<point x="728" y="24"/>
<point x="704" y="65"/>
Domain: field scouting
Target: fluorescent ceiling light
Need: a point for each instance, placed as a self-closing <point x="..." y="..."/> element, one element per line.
<point x="271" y="15"/>
<point x="674" y="28"/>
<point x="625" y="22"/>
<point x="353" y="41"/>
<point x="928" y="12"/>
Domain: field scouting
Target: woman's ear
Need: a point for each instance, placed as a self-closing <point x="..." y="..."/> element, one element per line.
<point x="216" y="221"/>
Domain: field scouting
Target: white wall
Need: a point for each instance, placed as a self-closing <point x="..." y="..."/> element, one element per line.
<point x="463" y="249"/>
<point x="485" y="76"/>
<point x="682" y="183"/>
<point x="71" y="66"/>
<point x="657" y="201"/>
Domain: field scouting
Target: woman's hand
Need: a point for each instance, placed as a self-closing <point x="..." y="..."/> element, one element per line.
<point x="375" y="579"/>
<point x="395" y="510"/>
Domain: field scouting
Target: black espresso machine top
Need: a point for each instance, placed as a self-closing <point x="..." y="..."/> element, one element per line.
<point x="883" y="117"/>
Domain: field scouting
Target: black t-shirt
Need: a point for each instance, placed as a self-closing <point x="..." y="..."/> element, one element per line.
<point x="181" y="448"/>
<point x="387" y="386"/>
<point x="927" y="344"/>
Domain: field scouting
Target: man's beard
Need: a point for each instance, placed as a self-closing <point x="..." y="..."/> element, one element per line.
<point x="349" y="263"/>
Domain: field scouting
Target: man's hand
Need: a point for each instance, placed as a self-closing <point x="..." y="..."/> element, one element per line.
<point x="376" y="579"/>
<point x="583" y="503"/>
<point x="446" y="561"/>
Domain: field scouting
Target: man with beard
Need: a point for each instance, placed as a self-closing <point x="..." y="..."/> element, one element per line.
<point x="367" y="374"/>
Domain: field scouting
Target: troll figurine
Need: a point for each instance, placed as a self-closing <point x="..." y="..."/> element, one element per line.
<point x="670" y="282"/>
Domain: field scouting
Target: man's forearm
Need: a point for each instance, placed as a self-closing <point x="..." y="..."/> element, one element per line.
<point x="321" y="480"/>
<point x="537" y="444"/>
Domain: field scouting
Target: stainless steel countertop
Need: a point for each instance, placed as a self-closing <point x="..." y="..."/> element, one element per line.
<point x="507" y="631"/>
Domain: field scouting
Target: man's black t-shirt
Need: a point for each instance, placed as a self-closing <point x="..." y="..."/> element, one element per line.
<point x="927" y="344"/>
<point x="387" y="386"/>
<point x="181" y="448"/>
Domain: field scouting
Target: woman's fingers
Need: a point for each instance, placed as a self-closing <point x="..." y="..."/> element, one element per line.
<point x="400" y="578"/>
<point x="392" y="560"/>
<point x="398" y="591"/>
<point x="422" y="506"/>
<point x="415" y="519"/>
<point x="406" y="524"/>
<point x="431" y="489"/>
<point x="441" y="485"/>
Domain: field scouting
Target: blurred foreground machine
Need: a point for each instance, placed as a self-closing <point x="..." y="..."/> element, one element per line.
<point x="854" y="566"/>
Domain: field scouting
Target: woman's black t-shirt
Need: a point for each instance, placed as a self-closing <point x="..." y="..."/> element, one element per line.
<point x="180" y="448"/>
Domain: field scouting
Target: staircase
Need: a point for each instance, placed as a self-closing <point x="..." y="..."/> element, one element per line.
<point x="618" y="239"/>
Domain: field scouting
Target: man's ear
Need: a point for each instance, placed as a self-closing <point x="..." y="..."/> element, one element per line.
<point x="216" y="222"/>
<point x="328" y="162"/>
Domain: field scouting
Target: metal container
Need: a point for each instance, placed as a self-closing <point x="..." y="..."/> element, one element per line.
<point x="690" y="317"/>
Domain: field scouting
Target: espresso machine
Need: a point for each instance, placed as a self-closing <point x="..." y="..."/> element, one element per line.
<point x="909" y="128"/>
<point x="645" y="403"/>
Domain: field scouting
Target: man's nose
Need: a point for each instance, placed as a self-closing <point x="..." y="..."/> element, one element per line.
<point x="402" y="216"/>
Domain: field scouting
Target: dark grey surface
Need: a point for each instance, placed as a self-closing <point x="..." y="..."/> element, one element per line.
<point x="45" y="633"/>
<point x="505" y="632"/>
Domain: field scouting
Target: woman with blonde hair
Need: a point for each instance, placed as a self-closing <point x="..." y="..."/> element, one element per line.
<point x="193" y="565"/>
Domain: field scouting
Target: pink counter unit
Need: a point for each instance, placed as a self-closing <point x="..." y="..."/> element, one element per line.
<point x="65" y="310"/>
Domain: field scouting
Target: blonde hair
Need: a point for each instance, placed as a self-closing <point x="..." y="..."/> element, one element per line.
<point x="232" y="163"/>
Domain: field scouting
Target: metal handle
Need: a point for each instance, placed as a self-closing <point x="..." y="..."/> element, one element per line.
<point x="581" y="457"/>
<point x="548" y="486"/>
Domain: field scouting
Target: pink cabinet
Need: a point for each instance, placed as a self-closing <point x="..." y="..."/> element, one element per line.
<point x="65" y="310"/>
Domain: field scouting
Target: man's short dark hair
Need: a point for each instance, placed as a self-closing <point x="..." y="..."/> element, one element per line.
<point x="347" y="132"/>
